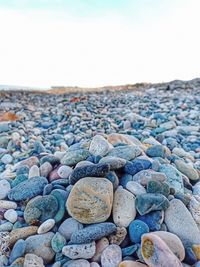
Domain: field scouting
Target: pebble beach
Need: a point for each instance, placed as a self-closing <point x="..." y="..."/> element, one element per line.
<point x="101" y="179"/>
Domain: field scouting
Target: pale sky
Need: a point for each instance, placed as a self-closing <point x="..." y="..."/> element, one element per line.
<point x="93" y="43"/>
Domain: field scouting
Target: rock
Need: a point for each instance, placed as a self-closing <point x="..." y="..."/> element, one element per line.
<point x="34" y="171"/>
<point x="194" y="208"/>
<point x="187" y="169"/>
<point x="32" y="260"/>
<point x="11" y="215"/>
<point x="156" y="151"/>
<point x="115" y="163"/>
<point x="146" y="203"/>
<point x="125" y="152"/>
<point x="40" y="245"/>
<point x="72" y="157"/>
<point x="137" y="165"/>
<point x="28" y="189"/>
<point x="18" y="250"/>
<point x="22" y="233"/>
<point x="111" y="256"/>
<point x="77" y="263"/>
<point x="100" y="246"/>
<point x="18" y="262"/>
<point x="131" y="264"/>
<point x="40" y="208"/>
<point x="4" y="188"/>
<point x="45" y="169"/>
<point x="46" y="226"/>
<point x="196" y="249"/>
<point x="99" y="146"/>
<point x="155" y="252"/>
<point x="92" y="233"/>
<point x="64" y="171"/>
<point x="118" y="237"/>
<point x="122" y="217"/>
<point x="7" y="159"/>
<point x="5" y="204"/>
<point x="144" y="176"/>
<point x="153" y="219"/>
<point x="27" y="162"/>
<point x="95" y="170"/>
<point x="84" y="251"/>
<point x="135" y="188"/>
<point x="90" y="200"/>
<point x="178" y="220"/>
<point x="116" y="138"/>
<point x="157" y="187"/>
<point x="136" y="229"/>
<point x="68" y="227"/>
<point x="58" y="242"/>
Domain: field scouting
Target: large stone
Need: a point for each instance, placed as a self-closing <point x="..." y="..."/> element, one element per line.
<point x="79" y="251"/>
<point x="90" y="200"/>
<point x="187" y="169"/>
<point x="72" y="157"/>
<point x="123" y="216"/>
<point x="32" y="260"/>
<point x="125" y="152"/>
<point x="99" y="146"/>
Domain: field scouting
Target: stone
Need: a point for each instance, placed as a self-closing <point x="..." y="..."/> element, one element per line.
<point x="7" y="159"/>
<point x="125" y="152"/>
<point x="77" y="263"/>
<point x="136" y="229"/>
<point x="32" y="260"/>
<point x="28" y="189"/>
<point x="18" y="262"/>
<point x="45" y="169"/>
<point x="178" y="220"/>
<point x="155" y="252"/>
<point x="40" y="245"/>
<point x="34" y="171"/>
<point x="115" y="163"/>
<point x="4" y="188"/>
<point x="46" y="226"/>
<point x="144" y="176"/>
<point x="99" y="146"/>
<point x="90" y="200"/>
<point x="79" y="251"/>
<point x="194" y="208"/>
<point x="131" y="264"/>
<point x="6" y="204"/>
<point x="101" y="244"/>
<point x="116" y="138"/>
<point x="122" y="217"/>
<point x="146" y="203"/>
<point x="58" y="242"/>
<point x="27" y="162"/>
<point x="128" y="251"/>
<point x="64" y="171"/>
<point x="118" y="237"/>
<point x="18" y="250"/>
<point x="22" y="233"/>
<point x="11" y="215"/>
<point x="187" y="169"/>
<point x="135" y="188"/>
<point x="72" y="157"/>
<point x="40" y="208"/>
<point x="60" y="196"/>
<point x="137" y="165"/>
<point x="95" y="170"/>
<point x="92" y="233"/>
<point x="156" y="151"/>
<point x="157" y="187"/>
<point x="196" y="249"/>
<point x="153" y="219"/>
<point x="68" y="227"/>
<point x="111" y="256"/>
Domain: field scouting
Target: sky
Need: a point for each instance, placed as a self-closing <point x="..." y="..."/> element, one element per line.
<point x="93" y="43"/>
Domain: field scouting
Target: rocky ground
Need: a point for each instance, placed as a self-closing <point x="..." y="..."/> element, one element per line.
<point x="101" y="179"/>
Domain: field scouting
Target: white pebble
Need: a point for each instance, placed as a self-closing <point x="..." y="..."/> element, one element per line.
<point x="4" y="188"/>
<point x="46" y="226"/>
<point x="11" y="215"/>
<point x="34" y="171"/>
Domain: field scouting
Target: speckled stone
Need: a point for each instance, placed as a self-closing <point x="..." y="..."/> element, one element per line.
<point x="118" y="236"/>
<point x="77" y="263"/>
<point x="46" y="226"/>
<point x="68" y="227"/>
<point x="187" y="169"/>
<point x="72" y="157"/>
<point x="125" y="152"/>
<point x="194" y="208"/>
<point x="32" y="260"/>
<point x="58" y="242"/>
<point x="115" y="163"/>
<point x="99" y="146"/>
<point x="6" y="204"/>
<point x="111" y="256"/>
<point x="144" y="176"/>
<point x="45" y="169"/>
<point x="90" y="200"/>
<point x="64" y="171"/>
<point x="79" y="251"/>
<point x="27" y="162"/>
<point x="122" y="217"/>
<point x="28" y="189"/>
<point x="22" y="233"/>
<point x="101" y="244"/>
<point x="135" y="188"/>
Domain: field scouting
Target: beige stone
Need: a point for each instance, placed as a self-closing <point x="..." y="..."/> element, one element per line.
<point x="22" y="233"/>
<point x="32" y="260"/>
<point x="131" y="264"/>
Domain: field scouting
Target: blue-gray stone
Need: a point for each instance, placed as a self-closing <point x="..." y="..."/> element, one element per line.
<point x="18" y="250"/>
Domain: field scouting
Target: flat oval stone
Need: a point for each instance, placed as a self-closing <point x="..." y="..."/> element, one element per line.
<point x="27" y="162"/>
<point x="111" y="256"/>
<point x="6" y="204"/>
<point x="155" y="252"/>
<point x="68" y="227"/>
<point x="146" y="203"/>
<point x="64" y="171"/>
<point x="45" y="169"/>
<point x="4" y="188"/>
<point x="122" y="217"/>
<point x="84" y="251"/>
<point x="115" y="163"/>
<point x="92" y="233"/>
<point x="40" y="209"/>
<point x="137" y="165"/>
<point x="95" y="170"/>
<point x="156" y="151"/>
<point x="136" y="229"/>
<point x="125" y="152"/>
<point x="28" y="189"/>
<point x="72" y="157"/>
<point x="90" y="200"/>
<point x="99" y="146"/>
<point x="11" y="215"/>
<point x="178" y="220"/>
<point x="46" y="226"/>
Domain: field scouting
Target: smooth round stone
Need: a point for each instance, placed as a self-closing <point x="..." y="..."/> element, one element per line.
<point x="157" y="187"/>
<point x="99" y="146"/>
<point x="136" y="166"/>
<point x="178" y="220"/>
<point x="77" y="263"/>
<point x="4" y="188"/>
<point x="111" y="256"/>
<point x="68" y="227"/>
<point x="32" y="260"/>
<point x="131" y="264"/>
<point x="95" y="170"/>
<point x="6" y="227"/>
<point x="34" y="171"/>
<point x="118" y="236"/>
<point x="7" y="159"/>
<point x="122" y="217"/>
<point x="92" y="233"/>
<point x="72" y="157"/>
<point x="40" y="245"/>
<point x="84" y="251"/>
<point x="22" y="233"/>
<point x="40" y="208"/>
<point x="153" y="219"/>
<point x="125" y="152"/>
<point x="53" y="175"/>
<point x="187" y="169"/>
<point x="51" y="159"/>
<point x="156" y="151"/>
<point x="115" y="163"/>
<point x="18" y="250"/>
<point x="64" y="171"/>
<point x="155" y="252"/>
<point x="46" y="226"/>
<point x="58" y="242"/>
<point x="135" y="188"/>
<point x="100" y="246"/>
<point x="146" y="203"/>
<point x="173" y="242"/>
<point x="45" y="169"/>
<point x="11" y="215"/>
<point x="90" y="200"/>
<point x="84" y="163"/>
<point x="28" y="189"/>
<point x="136" y="229"/>
<point x="144" y="176"/>
<point x="27" y="162"/>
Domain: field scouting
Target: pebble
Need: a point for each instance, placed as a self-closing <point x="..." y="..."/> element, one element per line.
<point x="11" y="215"/>
<point x="6" y="204"/>
<point x="135" y="188"/>
<point x="131" y="264"/>
<point x="83" y="251"/>
<point x="32" y="260"/>
<point x="101" y="244"/>
<point x="4" y="188"/>
<point x="125" y="152"/>
<point x="46" y="226"/>
<point x="99" y="146"/>
<point x="111" y="256"/>
<point x="64" y="171"/>
<point x="58" y="242"/>
<point x="74" y="156"/>
<point x="7" y="159"/>
<point x="68" y="227"/>
<point x="136" y="229"/>
<point x="187" y="169"/>
<point x="118" y="236"/>
<point x="34" y="171"/>
<point x="18" y="250"/>
<point x="115" y="163"/>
